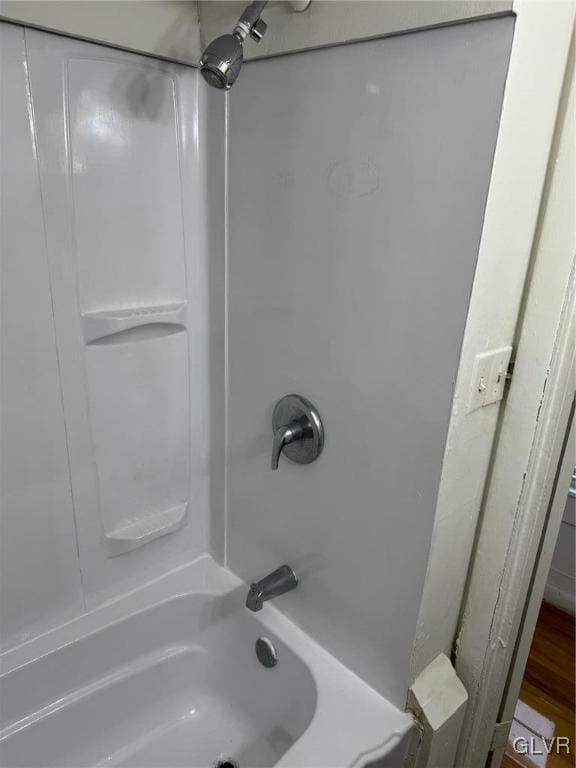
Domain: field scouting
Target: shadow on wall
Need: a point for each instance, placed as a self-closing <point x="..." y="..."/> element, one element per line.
<point x="142" y="92"/>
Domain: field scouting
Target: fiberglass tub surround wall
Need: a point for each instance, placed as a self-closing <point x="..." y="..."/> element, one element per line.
<point x="40" y="580"/>
<point x="113" y="293"/>
<point x="132" y="325"/>
<point x="358" y="178"/>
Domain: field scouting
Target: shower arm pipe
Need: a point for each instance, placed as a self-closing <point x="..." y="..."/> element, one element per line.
<point x="221" y="60"/>
<point x="250" y="16"/>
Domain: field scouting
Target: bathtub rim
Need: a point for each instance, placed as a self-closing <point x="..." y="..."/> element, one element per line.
<point x="375" y="735"/>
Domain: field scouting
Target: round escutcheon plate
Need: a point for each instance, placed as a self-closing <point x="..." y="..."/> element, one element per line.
<point x="295" y="408"/>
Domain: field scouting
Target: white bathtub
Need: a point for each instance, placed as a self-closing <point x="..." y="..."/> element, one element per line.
<point x="167" y="676"/>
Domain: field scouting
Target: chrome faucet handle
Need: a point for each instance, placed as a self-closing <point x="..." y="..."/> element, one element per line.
<point x="284" y="436"/>
<point x="298" y="431"/>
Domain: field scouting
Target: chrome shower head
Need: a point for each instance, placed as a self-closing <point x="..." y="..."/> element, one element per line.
<point x="221" y="61"/>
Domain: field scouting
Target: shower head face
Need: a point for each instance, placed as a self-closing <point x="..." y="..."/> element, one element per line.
<point x="221" y="62"/>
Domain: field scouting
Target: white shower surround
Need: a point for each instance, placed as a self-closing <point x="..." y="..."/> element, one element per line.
<point x="357" y="181"/>
<point x="125" y="344"/>
<point x="216" y="524"/>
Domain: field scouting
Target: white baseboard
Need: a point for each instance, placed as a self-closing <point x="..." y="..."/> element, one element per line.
<point x="561" y="598"/>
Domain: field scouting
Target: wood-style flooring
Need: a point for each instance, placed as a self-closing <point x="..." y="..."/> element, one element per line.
<point x="546" y="704"/>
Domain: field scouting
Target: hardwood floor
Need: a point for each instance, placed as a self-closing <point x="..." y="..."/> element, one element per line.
<point x="546" y="705"/>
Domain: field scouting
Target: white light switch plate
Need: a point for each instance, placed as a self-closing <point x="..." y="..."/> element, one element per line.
<point x="489" y="377"/>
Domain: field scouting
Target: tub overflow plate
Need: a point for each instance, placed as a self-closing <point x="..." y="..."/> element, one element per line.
<point x="266" y="652"/>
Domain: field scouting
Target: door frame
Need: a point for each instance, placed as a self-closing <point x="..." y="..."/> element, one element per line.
<point x="500" y="461"/>
<point x="536" y="594"/>
<point x="530" y="469"/>
<point x="533" y="90"/>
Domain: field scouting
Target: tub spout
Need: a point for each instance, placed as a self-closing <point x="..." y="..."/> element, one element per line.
<point x="278" y="582"/>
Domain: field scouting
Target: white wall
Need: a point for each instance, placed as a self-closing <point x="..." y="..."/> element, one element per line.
<point x="357" y="183"/>
<point x="107" y="290"/>
<point x="326" y="22"/>
<point x="165" y="28"/>
<point x="179" y="29"/>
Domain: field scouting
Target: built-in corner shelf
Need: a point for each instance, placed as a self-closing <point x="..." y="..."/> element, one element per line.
<point x="132" y="535"/>
<point x="159" y="319"/>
